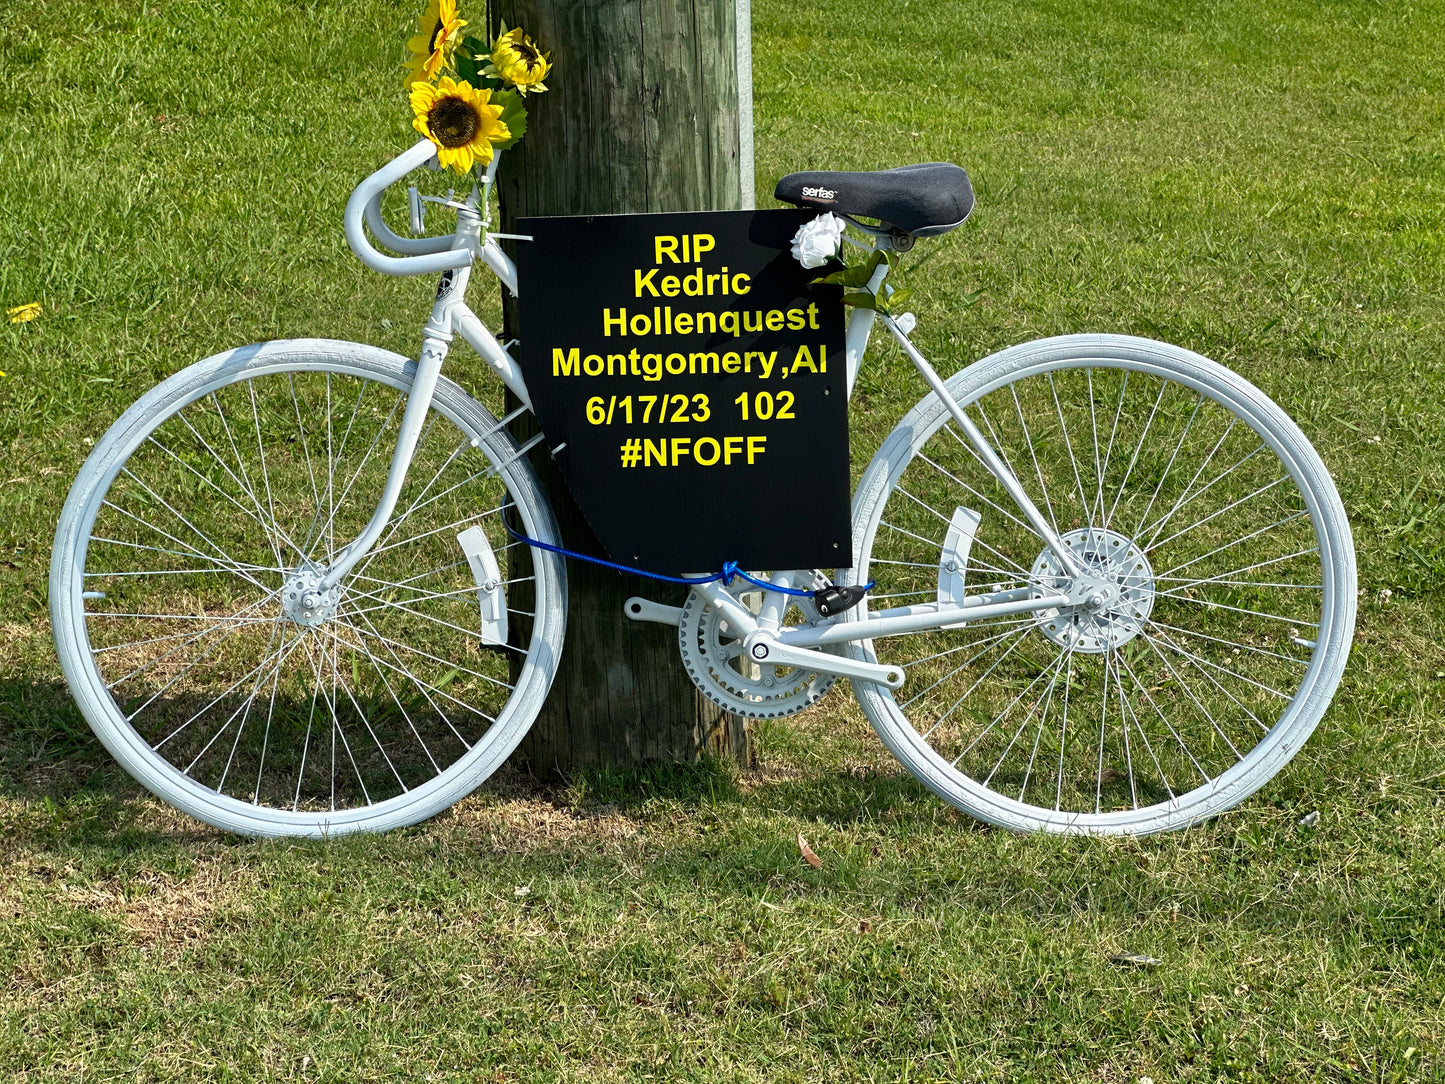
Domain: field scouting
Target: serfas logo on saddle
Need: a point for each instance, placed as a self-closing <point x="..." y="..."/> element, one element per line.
<point x="821" y="193"/>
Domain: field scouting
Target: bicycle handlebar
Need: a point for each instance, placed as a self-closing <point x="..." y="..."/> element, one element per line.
<point x="423" y="256"/>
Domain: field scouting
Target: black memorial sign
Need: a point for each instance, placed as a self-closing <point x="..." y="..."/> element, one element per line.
<point x="694" y="380"/>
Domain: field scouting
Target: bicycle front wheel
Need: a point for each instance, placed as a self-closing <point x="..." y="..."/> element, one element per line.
<point x="1170" y="478"/>
<point x="192" y="541"/>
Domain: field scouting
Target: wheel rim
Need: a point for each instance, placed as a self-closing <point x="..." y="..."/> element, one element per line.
<point x="1186" y="715"/>
<point x="211" y="678"/>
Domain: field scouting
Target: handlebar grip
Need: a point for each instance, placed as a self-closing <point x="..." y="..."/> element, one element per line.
<point x="369" y="192"/>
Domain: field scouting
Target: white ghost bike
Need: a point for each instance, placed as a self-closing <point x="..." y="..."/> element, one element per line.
<point x="1114" y="585"/>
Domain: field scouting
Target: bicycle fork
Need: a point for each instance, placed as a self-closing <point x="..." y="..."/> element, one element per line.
<point x="436" y="341"/>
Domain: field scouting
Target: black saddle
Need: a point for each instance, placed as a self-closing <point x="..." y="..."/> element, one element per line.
<point x="924" y="200"/>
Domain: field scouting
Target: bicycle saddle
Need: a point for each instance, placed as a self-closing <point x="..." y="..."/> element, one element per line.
<point x="924" y="200"/>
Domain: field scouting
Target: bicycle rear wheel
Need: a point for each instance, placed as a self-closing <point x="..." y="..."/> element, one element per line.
<point x="187" y="541"/>
<point x="1174" y="479"/>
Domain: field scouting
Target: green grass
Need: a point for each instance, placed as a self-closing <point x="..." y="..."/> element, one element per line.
<point x="1263" y="183"/>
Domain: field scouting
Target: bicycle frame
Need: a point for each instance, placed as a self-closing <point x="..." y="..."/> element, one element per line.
<point x="765" y="639"/>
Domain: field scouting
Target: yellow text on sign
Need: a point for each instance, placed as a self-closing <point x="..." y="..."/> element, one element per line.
<point x="693" y="246"/>
<point x="660" y="409"/>
<point x="680" y="451"/>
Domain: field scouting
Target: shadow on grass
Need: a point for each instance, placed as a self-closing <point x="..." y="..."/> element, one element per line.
<point x="705" y="830"/>
<point x="46" y="747"/>
<point x="65" y="791"/>
<point x="841" y="800"/>
<point x="635" y="789"/>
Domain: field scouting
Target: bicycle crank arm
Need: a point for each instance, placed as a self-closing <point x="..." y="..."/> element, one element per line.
<point x="641" y="609"/>
<point x="761" y="648"/>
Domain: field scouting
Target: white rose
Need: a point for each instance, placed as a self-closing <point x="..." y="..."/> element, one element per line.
<point x="817" y="241"/>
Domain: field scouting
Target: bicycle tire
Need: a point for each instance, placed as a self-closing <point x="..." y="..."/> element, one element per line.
<point x="1223" y="647"/>
<point x="206" y="498"/>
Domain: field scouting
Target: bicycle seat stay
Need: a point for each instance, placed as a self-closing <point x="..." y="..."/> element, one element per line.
<point x="925" y="200"/>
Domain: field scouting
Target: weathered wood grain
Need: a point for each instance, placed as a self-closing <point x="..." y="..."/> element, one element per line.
<point x="641" y="115"/>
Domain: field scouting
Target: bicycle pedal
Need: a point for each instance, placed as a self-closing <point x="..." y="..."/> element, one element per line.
<point x="834" y="600"/>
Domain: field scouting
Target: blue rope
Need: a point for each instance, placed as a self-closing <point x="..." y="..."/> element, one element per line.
<point x="729" y="570"/>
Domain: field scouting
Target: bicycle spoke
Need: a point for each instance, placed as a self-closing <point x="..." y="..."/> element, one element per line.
<point x="1213" y="681"/>
<point x="217" y="699"/>
<point x="226" y="560"/>
<point x="1038" y="470"/>
<point x="1104" y="517"/>
<point x="1108" y="517"/>
<point x="267" y="525"/>
<point x="436" y="768"/>
<point x="1219" y="578"/>
<point x="947" y="520"/>
<point x="1192" y="497"/>
<point x="1189" y="691"/>
<point x="1181" y="599"/>
<point x="1066" y="657"/>
<point x="1144" y="689"/>
<point x="265" y="474"/>
<point x="964" y="485"/>
<point x="988" y="644"/>
<point x="475" y="634"/>
<point x="281" y="656"/>
<point x="1103" y="727"/>
<point x="310" y="470"/>
<point x="1230" y="545"/>
<point x="1169" y="466"/>
<point x="1049" y="672"/>
<point x="422" y="687"/>
<point x="1157" y="524"/>
<point x="247" y="485"/>
<point x="230" y="624"/>
<point x="1064" y="727"/>
<point x="1226" y="670"/>
<point x="1236" y="645"/>
<point x="320" y="529"/>
<point x="401" y="669"/>
<point x="1069" y="445"/>
<point x="1284" y="479"/>
<point x="474" y="517"/>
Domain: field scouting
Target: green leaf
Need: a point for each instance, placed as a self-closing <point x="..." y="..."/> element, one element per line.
<point x="899" y="298"/>
<point x="849" y="276"/>
<point x="475" y="47"/>
<point x="514" y="116"/>
<point x="854" y="276"/>
<point x="861" y="300"/>
<point x="467" y="70"/>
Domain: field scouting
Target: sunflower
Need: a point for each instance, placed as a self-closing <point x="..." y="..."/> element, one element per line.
<point x="460" y="119"/>
<point x="436" y="39"/>
<point x="517" y="60"/>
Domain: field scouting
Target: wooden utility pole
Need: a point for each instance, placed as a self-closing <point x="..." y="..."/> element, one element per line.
<point x="641" y="115"/>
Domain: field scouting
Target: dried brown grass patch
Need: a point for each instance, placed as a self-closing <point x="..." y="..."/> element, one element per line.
<point x="161" y="911"/>
<point x="529" y="823"/>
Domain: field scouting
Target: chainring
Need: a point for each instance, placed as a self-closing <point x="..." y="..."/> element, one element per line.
<point x="714" y="658"/>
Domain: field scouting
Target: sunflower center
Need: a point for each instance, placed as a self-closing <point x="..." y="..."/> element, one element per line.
<point x="453" y="122"/>
<point x="432" y="46"/>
